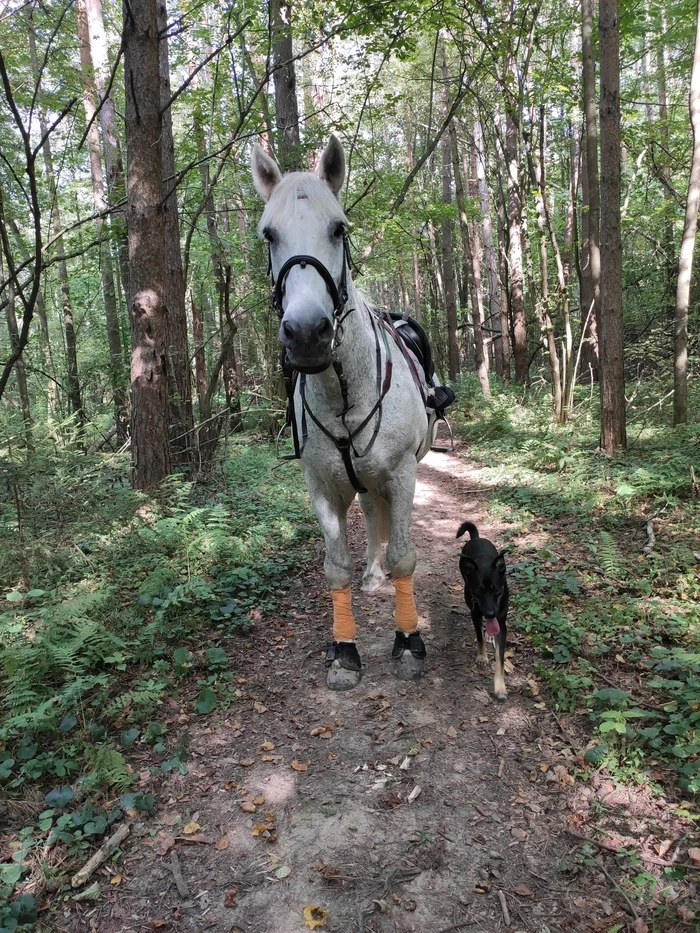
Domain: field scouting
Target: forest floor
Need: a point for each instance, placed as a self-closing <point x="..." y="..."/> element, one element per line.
<point x="427" y="807"/>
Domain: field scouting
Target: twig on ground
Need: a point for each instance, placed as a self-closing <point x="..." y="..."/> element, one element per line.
<point x="651" y="538"/>
<point x="617" y="888"/>
<point x="504" y="908"/>
<point x="565" y="732"/>
<point x="180" y="882"/>
<point x="652" y="859"/>
<point x="102" y="854"/>
<point x="456" y="926"/>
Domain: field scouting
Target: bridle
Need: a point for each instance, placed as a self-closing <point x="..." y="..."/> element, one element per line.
<point x="345" y="444"/>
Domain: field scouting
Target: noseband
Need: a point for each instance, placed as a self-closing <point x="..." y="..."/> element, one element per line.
<point x="338" y="293"/>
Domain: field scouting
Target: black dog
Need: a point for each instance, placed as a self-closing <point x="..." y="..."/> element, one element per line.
<point x="486" y="596"/>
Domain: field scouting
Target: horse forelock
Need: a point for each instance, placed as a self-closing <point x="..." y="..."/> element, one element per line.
<point x="295" y="186"/>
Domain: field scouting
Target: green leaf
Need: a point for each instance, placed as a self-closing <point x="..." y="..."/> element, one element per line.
<point x="14" y="597"/>
<point x="70" y="722"/>
<point x="10" y="874"/>
<point x="129" y="737"/>
<point x="595" y="755"/>
<point x="59" y="797"/>
<point x="206" y="701"/>
<point x="612" y="726"/>
<point x="36" y="593"/>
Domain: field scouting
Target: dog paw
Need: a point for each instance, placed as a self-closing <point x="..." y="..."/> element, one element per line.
<point x="500" y="694"/>
<point x="482" y="660"/>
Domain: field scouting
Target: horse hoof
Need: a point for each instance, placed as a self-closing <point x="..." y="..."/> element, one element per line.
<point x="408" y="667"/>
<point x="408" y="656"/>
<point x="340" y="678"/>
<point x="500" y="695"/>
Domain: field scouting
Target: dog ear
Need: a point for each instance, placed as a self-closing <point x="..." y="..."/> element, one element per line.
<point x="499" y="561"/>
<point x="469" y="561"/>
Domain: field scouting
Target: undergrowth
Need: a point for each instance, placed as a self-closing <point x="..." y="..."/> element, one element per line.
<point x="115" y="601"/>
<point x="618" y="627"/>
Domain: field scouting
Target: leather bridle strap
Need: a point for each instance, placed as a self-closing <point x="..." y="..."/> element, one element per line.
<point x="338" y="293"/>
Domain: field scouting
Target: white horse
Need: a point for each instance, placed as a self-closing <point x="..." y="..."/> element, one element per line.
<point x="360" y="414"/>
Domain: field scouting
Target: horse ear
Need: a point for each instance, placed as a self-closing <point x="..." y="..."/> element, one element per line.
<point x="331" y="168"/>
<point x="499" y="561"/>
<point x="266" y="173"/>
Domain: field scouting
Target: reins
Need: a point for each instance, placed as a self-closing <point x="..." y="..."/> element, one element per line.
<point x="344" y="444"/>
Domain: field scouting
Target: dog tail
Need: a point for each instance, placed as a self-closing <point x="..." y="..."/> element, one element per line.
<point x="470" y="527"/>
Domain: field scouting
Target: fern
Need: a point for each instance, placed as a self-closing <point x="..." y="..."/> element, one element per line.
<point x="109" y="769"/>
<point x="609" y="557"/>
<point x="138" y="701"/>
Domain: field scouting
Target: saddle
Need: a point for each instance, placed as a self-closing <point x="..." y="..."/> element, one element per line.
<point x="415" y="340"/>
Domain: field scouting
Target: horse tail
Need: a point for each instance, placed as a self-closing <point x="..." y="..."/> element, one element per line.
<point x="470" y="527"/>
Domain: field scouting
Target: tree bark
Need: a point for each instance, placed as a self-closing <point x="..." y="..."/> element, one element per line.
<point x="286" y="105"/>
<point x="114" y="168"/>
<point x="20" y="368"/>
<point x="591" y="188"/>
<point x="150" y="443"/>
<point x="72" y="376"/>
<point x="612" y="408"/>
<point x="665" y="173"/>
<point x="685" y="263"/>
<point x="99" y="203"/>
<point x="515" y="222"/>
<point x="495" y="318"/>
<point x="448" y="269"/>
<point x="181" y="421"/>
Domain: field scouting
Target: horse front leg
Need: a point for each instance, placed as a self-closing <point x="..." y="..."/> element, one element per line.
<point x="342" y="658"/>
<point x="376" y="514"/>
<point x="408" y="653"/>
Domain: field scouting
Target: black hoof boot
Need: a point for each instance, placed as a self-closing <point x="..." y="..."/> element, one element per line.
<point x="408" y="656"/>
<point x="344" y="665"/>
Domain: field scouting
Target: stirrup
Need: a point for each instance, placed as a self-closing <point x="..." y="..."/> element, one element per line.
<point x="442" y="449"/>
<point x="280" y="439"/>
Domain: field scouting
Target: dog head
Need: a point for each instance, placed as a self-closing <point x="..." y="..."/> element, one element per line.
<point x="485" y="577"/>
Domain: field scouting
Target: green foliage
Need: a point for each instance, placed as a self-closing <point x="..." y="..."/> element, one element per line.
<point x="586" y="594"/>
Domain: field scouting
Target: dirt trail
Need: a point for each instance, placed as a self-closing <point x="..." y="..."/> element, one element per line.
<point x="494" y="798"/>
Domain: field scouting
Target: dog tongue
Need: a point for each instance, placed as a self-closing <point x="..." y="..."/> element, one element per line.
<point x="492" y="627"/>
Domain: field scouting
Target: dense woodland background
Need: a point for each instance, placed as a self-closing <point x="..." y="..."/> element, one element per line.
<point x="519" y="176"/>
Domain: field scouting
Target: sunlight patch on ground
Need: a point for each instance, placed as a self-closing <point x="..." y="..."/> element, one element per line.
<point x="276" y="787"/>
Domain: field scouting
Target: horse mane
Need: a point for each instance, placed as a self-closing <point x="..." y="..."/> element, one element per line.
<point x="280" y="207"/>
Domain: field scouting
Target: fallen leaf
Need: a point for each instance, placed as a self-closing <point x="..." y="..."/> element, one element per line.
<point x="248" y="806"/>
<point x="663" y="847"/>
<point x="694" y="855"/>
<point x="300" y="766"/>
<point x="315" y="917"/>
<point x="321" y="730"/>
<point x="247" y="763"/>
<point x="259" y="829"/>
<point x="283" y="871"/>
<point x="116" y="879"/>
<point x="163" y="843"/>
<point x="191" y="828"/>
<point x="259" y="707"/>
<point x="259" y="801"/>
<point x="222" y="843"/>
<point x="452" y="732"/>
<point x="522" y="890"/>
<point x="267" y="746"/>
<point x="230" y="899"/>
<point x="332" y="756"/>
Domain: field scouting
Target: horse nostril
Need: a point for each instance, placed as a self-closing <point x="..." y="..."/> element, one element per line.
<point x="288" y="330"/>
<point x="325" y="329"/>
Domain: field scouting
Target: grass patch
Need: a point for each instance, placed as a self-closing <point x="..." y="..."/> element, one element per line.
<point x="618" y="629"/>
<point x="110" y="596"/>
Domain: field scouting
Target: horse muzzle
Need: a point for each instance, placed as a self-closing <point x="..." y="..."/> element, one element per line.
<point x="307" y="337"/>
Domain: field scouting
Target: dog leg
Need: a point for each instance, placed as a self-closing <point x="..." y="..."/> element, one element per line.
<point x="482" y="658"/>
<point x="499" y="681"/>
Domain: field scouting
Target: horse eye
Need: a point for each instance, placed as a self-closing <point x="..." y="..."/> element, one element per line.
<point x="339" y="230"/>
<point x="267" y="233"/>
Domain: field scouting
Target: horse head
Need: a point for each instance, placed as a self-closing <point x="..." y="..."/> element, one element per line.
<point x="306" y="230"/>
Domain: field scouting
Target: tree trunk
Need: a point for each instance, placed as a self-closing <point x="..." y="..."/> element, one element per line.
<point x="685" y="263"/>
<point x="589" y="325"/>
<point x="665" y="172"/>
<point x="99" y="202"/>
<point x="471" y="259"/>
<point x="286" y="105"/>
<point x="72" y="377"/>
<point x="495" y="316"/>
<point x="515" y="224"/>
<point x="181" y="421"/>
<point x="591" y="188"/>
<point x="612" y="408"/>
<point x="20" y="369"/>
<point x="114" y="168"/>
<point x="448" y="268"/>
<point x="149" y="331"/>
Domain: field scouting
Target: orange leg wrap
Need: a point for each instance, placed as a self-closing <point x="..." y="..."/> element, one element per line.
<point x="344" y="628"/>
<point x="406" y="614"/>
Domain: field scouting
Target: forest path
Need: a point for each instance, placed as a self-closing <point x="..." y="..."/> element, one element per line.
<point x="333" y="827"/>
